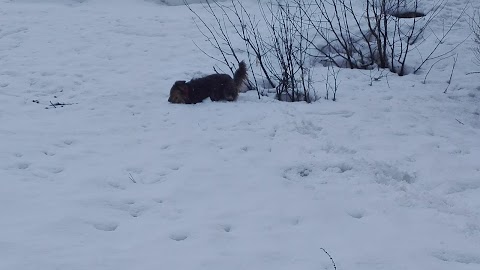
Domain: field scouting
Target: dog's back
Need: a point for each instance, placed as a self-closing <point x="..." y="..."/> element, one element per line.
<point x="216" y="86"/>
<point x="212" y="86"/>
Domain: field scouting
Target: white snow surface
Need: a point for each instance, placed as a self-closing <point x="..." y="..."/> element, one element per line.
<point x="387" y="177"/>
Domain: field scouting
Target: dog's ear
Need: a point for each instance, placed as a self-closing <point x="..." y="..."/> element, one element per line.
<point x="177" y="83"/>
<point x="182" y="86"/>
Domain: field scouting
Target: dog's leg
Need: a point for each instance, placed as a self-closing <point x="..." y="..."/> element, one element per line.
<point x="215" y="95"/>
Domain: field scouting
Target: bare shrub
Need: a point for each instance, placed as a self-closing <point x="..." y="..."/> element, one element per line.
<point x="282" y="43"/>
<point x="475" y="26"/>
<point x="380" y="36"/>
<point x="280" y="52"/>
<point x="285" y="22"/>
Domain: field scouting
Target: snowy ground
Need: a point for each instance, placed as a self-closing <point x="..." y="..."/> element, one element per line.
<point x="387" y="177"/>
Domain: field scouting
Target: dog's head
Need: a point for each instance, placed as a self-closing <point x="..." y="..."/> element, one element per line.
<point x="179" y="93"/>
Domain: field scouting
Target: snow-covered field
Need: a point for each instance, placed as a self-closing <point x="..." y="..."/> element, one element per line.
<point x="387" y="177"/>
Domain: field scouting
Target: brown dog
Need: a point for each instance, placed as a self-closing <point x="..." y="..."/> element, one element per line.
<point x="216" y="86"/>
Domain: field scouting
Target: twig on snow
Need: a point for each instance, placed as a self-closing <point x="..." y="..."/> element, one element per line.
<point x="451" y="74"/>
<point x="331" y="259"/>
<point x="59" y="104"/>
<point x="131" y="178"/>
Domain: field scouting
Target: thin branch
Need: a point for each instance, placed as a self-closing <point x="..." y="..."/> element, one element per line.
<point x="451" y="74"/>
<point x="441" y="41"/>
<point x="131" y="178"/>
<point x="331" y="259"/>
<point x="473" y="72"/>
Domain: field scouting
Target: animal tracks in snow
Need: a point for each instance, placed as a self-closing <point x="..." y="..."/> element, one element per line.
<point x="158" y="200"/>
<point x="330" y="148"/>
<point x="48" y="153"/>
<point x="48" y="162"/>
<point x="137" y="210"/>
<point x="309" y="128"/>
<point x="326" y="172"/>
<point x="23" y="165"/>
<point x="65" y="143"/>
<point x="342" y="113"/>
<point x="463" y="185"/>
<point x="131" y="207"/>
<point x="178" y="236"/>
<point x="356" y="213"/>
<point x="457" y="257"/>
<point x="386" y="173"/>
<point x="320" y="173"/>
<point x="54" y="170"/>
<point x="38" y="168"/>
<point x="138" y="176"/>
<point x="116" y="185"/>
<point x="226" y="228"/>
<point x="105" y="226"/>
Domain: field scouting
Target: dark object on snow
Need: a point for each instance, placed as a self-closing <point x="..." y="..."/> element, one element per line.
<point x="408" y="14"/>
<point x="56" y="104"/>
<point x="216" y="86"/>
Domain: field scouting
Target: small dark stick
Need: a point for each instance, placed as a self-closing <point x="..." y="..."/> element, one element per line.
<point x="331" y="259"/>
<point x="474" y="72"/>
<point x="52" y="104"/>
<point x="451" y="74"/>
<point x="131" y="178"/>
<point x="459" y="121"/>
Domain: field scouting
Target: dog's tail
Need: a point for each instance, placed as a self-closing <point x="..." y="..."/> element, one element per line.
<point x="240" y="75"/>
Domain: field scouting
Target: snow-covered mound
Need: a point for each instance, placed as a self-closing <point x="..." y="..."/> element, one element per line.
<point x="42" y="2"/>
<point x="183" y="2"/>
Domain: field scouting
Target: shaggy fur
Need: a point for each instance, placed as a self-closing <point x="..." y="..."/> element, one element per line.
<point x="216" y="86"/>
